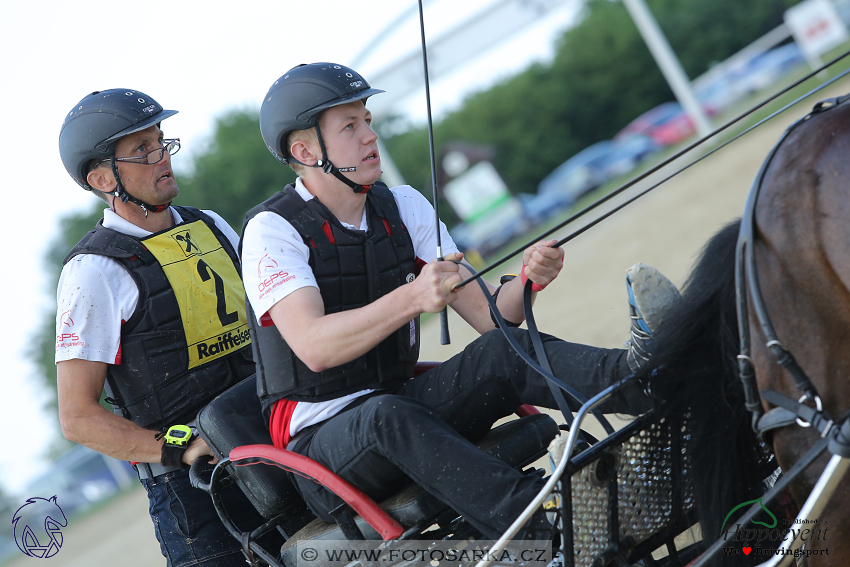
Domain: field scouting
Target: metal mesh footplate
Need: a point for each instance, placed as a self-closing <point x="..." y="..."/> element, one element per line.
<point x="630" y="493"/>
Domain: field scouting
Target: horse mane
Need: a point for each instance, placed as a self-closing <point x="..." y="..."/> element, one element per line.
<point x="693" y="370"/>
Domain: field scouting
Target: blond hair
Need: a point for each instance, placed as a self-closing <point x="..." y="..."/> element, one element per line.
<point x="307" y="136"/>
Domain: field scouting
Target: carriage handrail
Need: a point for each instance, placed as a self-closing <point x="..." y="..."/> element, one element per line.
<point x="377" y="518"/>
<point x="666" y="162"/>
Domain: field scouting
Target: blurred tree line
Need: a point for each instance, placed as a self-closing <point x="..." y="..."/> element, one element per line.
<point x="601" y="78"/>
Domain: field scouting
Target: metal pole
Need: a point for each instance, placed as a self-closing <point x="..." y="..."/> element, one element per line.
<point x="668" y="63"/>
<point x="444" y="314"/>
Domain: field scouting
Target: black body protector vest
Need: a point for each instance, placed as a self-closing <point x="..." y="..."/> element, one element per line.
<point x="188" y="339"/>
<point x="352" y="268"/>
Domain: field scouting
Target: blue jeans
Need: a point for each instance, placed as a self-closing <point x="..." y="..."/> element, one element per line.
<point x="188" y="528"/>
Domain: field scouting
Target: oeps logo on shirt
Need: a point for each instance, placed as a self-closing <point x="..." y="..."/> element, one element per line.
<point x="267" y="264"/>
<point x="67" y="337"/>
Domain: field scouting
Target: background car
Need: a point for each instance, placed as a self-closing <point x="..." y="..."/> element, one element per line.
<point x="627" y="154"/>
<point x="588" y="169"/>
<point x="719" y="92"/>
<point x="666" y="124"/>
<point x="485" y="241"/>
<point x="581" y="173"/>
<point x="543" y="206"/>
<point x="649" y="121"/>
<point x="766" y="68"/>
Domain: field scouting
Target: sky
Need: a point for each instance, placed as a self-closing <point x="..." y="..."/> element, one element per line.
<point x="202" y="59"/>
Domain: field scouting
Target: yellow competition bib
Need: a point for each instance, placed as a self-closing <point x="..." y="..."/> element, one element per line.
<point x="208" y="289"/>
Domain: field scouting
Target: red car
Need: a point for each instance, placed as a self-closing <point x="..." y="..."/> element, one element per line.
<point x="666" y="124"/>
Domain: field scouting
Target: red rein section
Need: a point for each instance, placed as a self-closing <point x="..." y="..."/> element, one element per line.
<point x="526" y="410"/>
<point x="380" y="521"/>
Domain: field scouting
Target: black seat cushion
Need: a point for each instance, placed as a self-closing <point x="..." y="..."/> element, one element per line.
<point x="234" y="419"/>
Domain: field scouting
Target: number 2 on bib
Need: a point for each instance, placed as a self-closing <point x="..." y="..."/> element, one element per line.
<point x="221" y="302"/>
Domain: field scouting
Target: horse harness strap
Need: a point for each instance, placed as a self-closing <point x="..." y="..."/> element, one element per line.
<point x="776" y="418"/>
<point x="747" y="284"/>
<point x="788" y="411"/>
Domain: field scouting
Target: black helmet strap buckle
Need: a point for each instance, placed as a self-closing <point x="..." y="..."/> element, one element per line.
<point x="329" y="167"/>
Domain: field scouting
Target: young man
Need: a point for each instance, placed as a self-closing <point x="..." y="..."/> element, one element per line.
<point x="337" y="269"/>
<point x="150" y="306"/>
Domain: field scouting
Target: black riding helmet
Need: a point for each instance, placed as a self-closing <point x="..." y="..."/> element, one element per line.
<point x="95" y="124"/>
<point x="295" y="101"/>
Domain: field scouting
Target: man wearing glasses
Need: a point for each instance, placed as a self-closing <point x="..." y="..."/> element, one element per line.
<point x="151" y="310"/>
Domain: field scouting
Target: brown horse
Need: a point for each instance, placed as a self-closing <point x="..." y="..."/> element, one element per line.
<point x="802" y="252"/>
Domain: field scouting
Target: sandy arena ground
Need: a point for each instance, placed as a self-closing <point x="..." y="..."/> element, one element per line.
<point x="587" y="304"/>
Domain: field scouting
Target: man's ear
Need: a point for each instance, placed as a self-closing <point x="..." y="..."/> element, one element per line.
<point x="303" y="153"/>
<point x="102" y="179"/>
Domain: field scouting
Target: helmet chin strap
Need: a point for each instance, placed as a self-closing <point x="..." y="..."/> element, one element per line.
<point x="328" y="167"/>
<point x="122" y="194"/>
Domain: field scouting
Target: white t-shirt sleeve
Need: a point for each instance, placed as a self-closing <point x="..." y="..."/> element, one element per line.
<point x="417" y="214"/>
<point x="95" y="295"/>
<point x="275" y="261"/>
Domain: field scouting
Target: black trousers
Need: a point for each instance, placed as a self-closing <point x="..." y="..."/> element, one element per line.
<point x="424" y="430"/>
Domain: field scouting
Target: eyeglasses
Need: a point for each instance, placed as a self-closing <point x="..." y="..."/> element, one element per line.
<point x="155" y="156"/>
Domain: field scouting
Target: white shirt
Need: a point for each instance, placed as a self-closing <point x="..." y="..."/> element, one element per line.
<point x="275" y="263"/>
<point x="96" y="295"/>
<point x="275" y="260"/>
